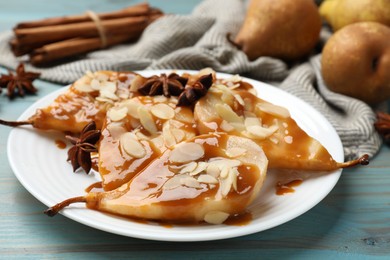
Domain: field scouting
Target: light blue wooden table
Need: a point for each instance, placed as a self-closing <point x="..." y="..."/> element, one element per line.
<point x="353" y="221"/>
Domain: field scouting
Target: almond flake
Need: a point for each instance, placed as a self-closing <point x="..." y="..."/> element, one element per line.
<point x="168" y="137"/>
<point x="190" y="182"/>
<point x="108" y="94"/>
<point x="226" y="186"/>
<point x="213" y="170"/>
<point x="186" y="152"/>
<point x="235" y="152"/>
<point x="160" y="99"/>
<point x="162" y="111"/>
<point x="273" y="110"/>
<point x="136" y="83"/>
<point x="225" y="126"/>
<point x="216" y="217"/>
<point x="251" y="121"/>
<point x="146" y="120"/>
<point x="224" y="172"/>
<point x="117" y="114"/>
<point x="172" y="183"/>
<point x="178" y="134"/>
<point x="95" y="84"/>
<point x="189" y="167"/>
<point x="227" y="113"/>
<point x="131" y="146"/>
<point x="260" y="132"/>
<point x="132" y="107"/>
<point x="205" y="178"/>
<point x="200" y="168"/>
<point x="233" y="173"/>
<point x="104" y="100"/>
<point x="239" y="99"/>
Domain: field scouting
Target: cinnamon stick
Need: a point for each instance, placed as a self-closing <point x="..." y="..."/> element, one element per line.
<point x="72" y="47"/>
<point x="135" y="10"/>
<point x="53" y="33"/>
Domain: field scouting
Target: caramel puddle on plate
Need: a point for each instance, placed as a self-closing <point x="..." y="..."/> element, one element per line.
<point x="239" y="219"/>
<point x="60" y="144"/>
<point x="283" y="188"/>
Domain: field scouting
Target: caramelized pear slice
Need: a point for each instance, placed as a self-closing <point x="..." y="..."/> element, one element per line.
<point x="138" y="130"/>
<point x="286" y="145"/>
<point x="207" y="178"/>
<point x="87" y="100"/>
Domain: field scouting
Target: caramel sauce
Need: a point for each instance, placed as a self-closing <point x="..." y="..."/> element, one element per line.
<point x="239" y="219"/>
<point x="60" y="144"/>
<point x="283" y="188"/>
<point x="117" y="167"/>
<point x="146" y="188"/>
<point x="95" y="185"/>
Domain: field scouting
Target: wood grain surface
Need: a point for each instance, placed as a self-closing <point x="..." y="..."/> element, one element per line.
<point x="352" y="222"/>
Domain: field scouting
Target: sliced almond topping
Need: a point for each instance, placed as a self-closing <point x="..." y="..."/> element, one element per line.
<point x="104" y="100"/>
<point x="226" y="186"/>
<point x="239" y="99"/>
<point x="189" y="167"/>
<point x="108" y="94"/>
<point x="169" y="138"/>
<point x="235" y="152"/>
<point x="213" y="170"/>
<point x="136" y="83"/>
<point x="178" y="134"/>
<point x="117" y="114"/>
<point x="132" y="107"/>
<point x="101" y="76"/>
<point x="273" y="110"/>
<point x="248" y="104"/>
<point x="216" y="217"/>
<point x="238" y="126"/>
<point x="190" y="182"/>
<point x="260" y="132"/>
<point x="108" y="86"/>
<point x="160" y="99"/>
<point x="225" y="126"/>
<point x="205" y="178"/>
<point x="186" y="152"/>
<point x="95" y="84"/>
<point x="162" y="111"/>
<point x="251" y="121"/>
<point x="227" y="113"/>
<point x="172" y="183"/>
<point x="146" y="120"/>
<point x="200" y="168"/>
<point x="233" y="173"/>
<point x="224" y="172"/>
<point x="132" y="146"/>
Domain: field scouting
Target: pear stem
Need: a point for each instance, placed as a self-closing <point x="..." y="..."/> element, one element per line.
<point x="363" y="160"/>
<point x="15" y="123"/>
<point x="52" y="211"/>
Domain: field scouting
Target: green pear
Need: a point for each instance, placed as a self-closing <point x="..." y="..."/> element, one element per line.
<point x="356" y="62"/>
<point x="339" y="13"/>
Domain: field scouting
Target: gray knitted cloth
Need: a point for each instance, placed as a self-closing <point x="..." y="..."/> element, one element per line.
<point x="199" y="40"/>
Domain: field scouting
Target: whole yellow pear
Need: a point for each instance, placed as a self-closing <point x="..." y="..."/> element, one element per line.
<point x="282" y="29"/>
<point x="339" y="13"/>
<point x="356" y="62"/>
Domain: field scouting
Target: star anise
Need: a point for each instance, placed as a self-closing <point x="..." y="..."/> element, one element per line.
<point x="80" y="154"/>
<point x="171" y="85"/>
<point x="382" y="125"/>
<point x="19" y="83"/>
<point x="193" y="93"/>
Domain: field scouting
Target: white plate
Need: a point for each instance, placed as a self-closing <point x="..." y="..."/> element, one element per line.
<point x="46" y="175"/>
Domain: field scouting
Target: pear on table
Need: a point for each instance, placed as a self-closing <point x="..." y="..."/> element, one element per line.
<point x="207" y="178"/>
<point x="286" y="145"/>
